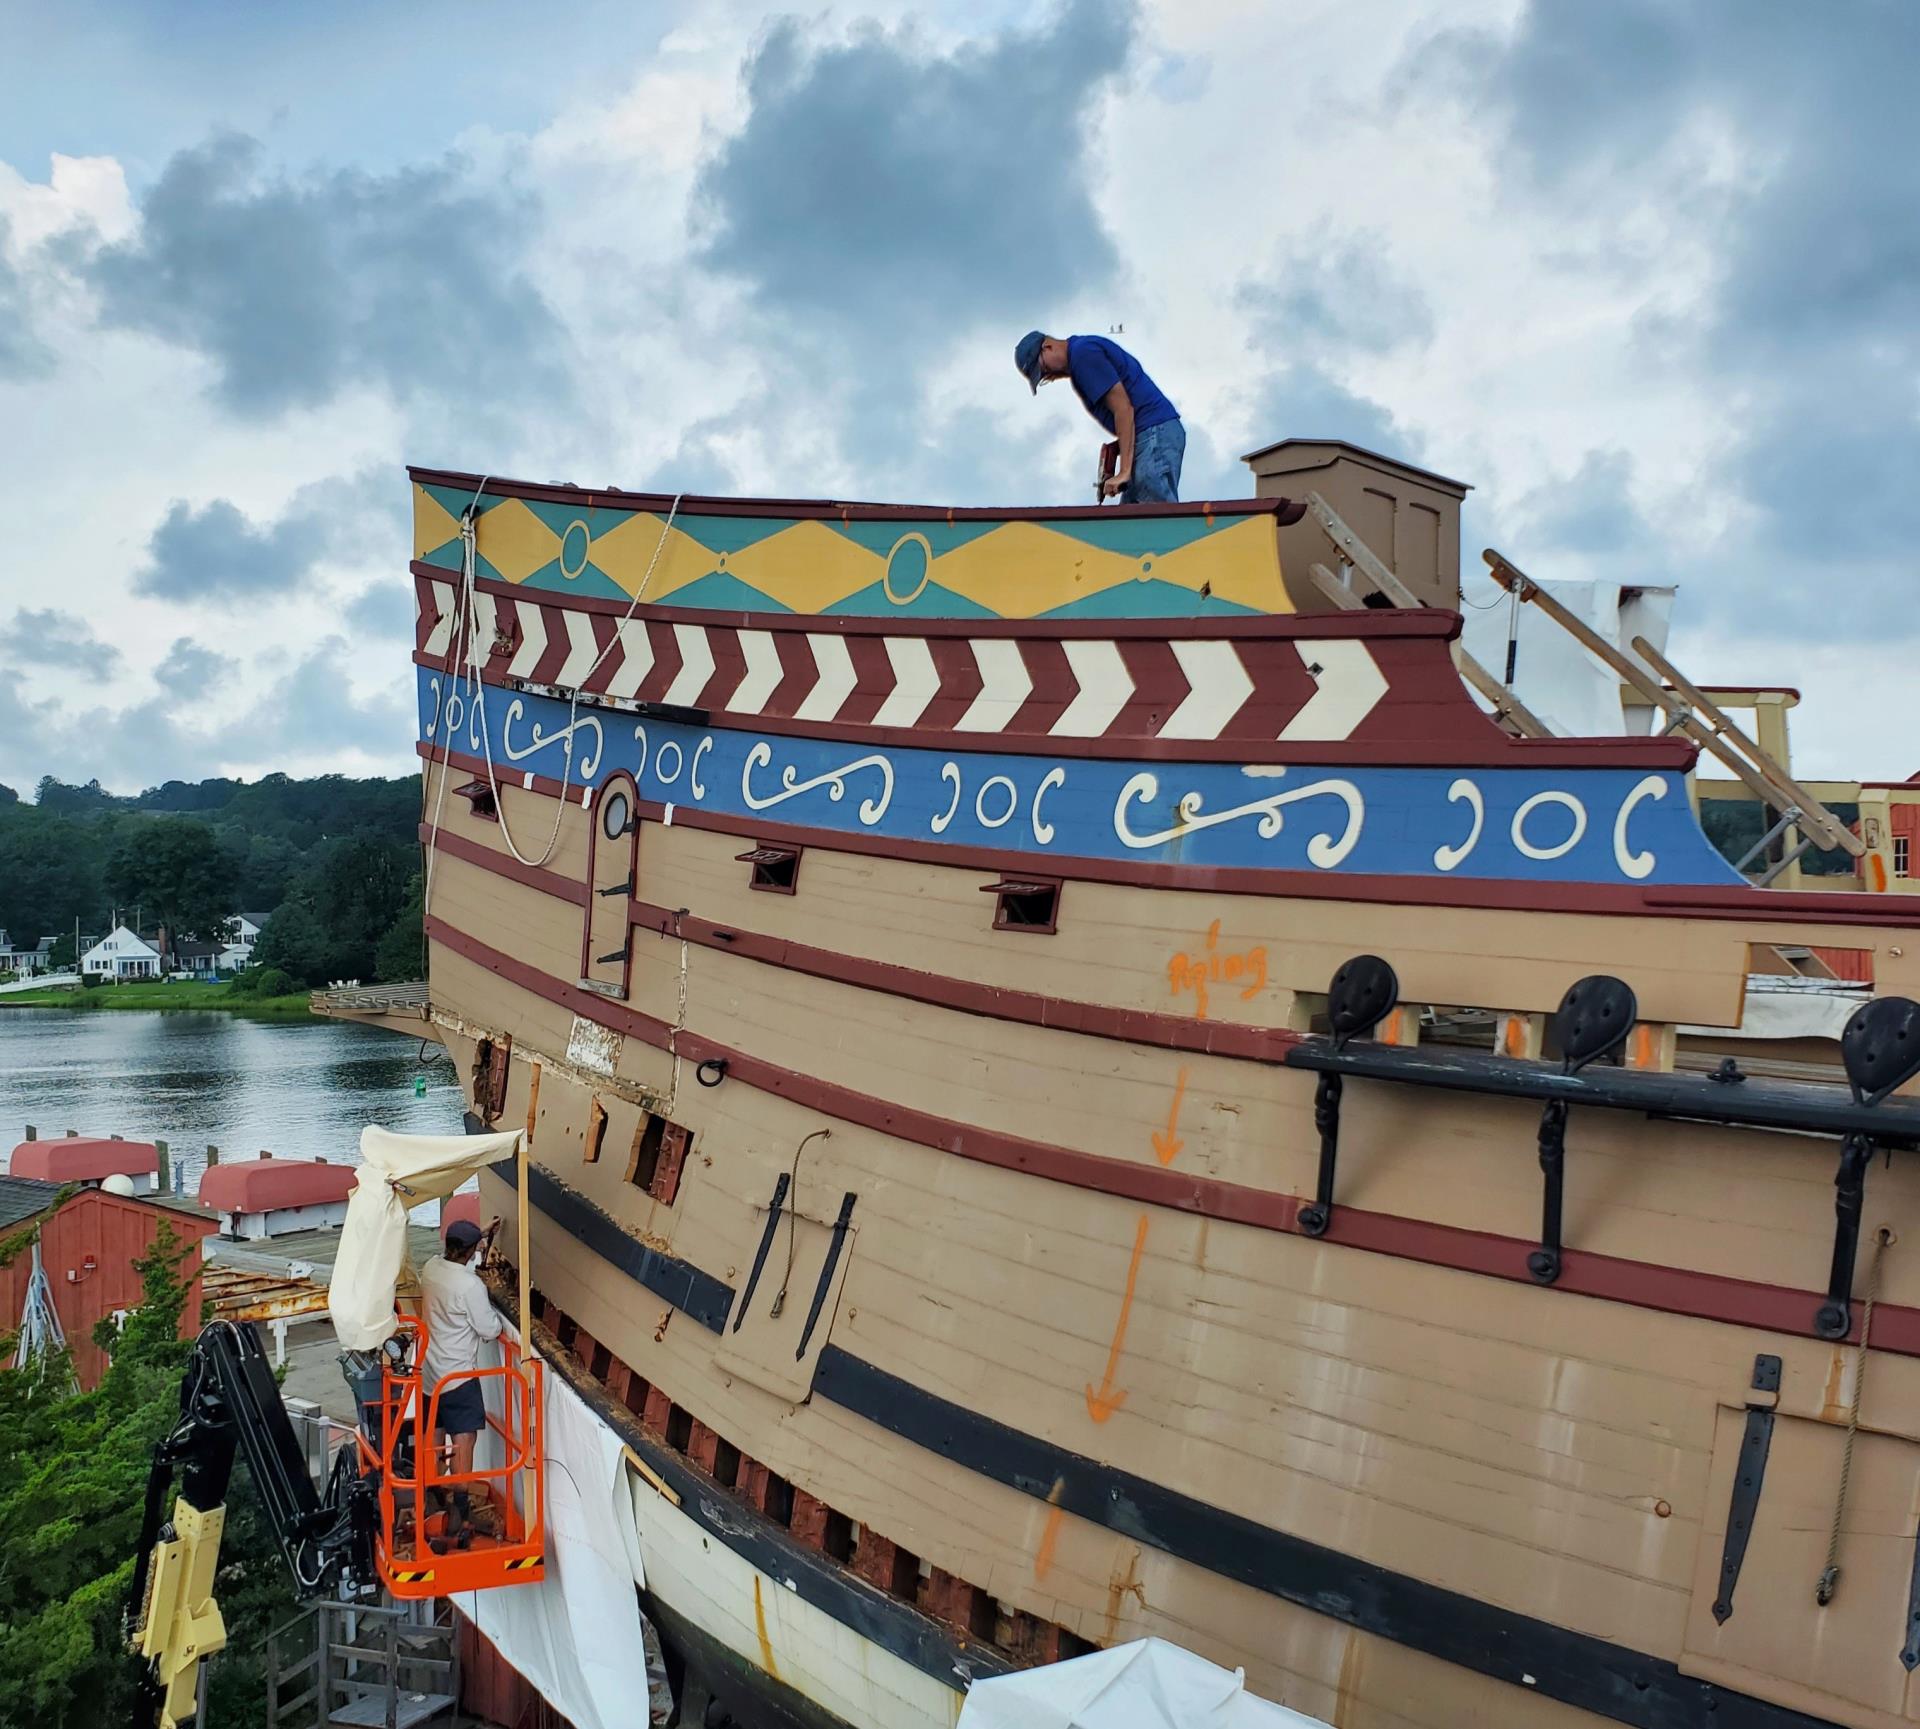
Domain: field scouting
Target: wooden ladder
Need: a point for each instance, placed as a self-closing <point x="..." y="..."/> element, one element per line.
<point x="1693" y="714"/>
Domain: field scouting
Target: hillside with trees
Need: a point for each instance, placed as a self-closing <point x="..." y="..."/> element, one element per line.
<point x="333" y="861"/>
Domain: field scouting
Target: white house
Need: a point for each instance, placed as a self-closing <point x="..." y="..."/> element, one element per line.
<point x="121" y="956"/>
<point x="243" y="931"/>
<point x="28" y="963"/>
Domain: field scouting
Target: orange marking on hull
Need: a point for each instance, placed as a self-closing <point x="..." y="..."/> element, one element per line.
<point x="760" y="1632"/>
<point x="1390" y="1029"/>
<point x="1516" y="1038"/>
<point x="1879" y="873"/>
<point x="1050" y="1534"/>
<point x="1166" y="1147"/>
<point x="1103" y="1404"/>
<point x="1643" y="1047"/>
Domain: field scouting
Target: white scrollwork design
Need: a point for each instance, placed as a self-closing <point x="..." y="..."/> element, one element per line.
<point x="1325" y="850"/>
<point x="590" y="758"/>
<point x="980" y="802"/>
<point x="433" y="723"/>
<point x="1635" y="864"/>
<point x="1446" y="858"/>
<point x="949" y="772"/>
<point x="659" y="762"/>
<point x="1569" y="802"/>
<point x="834" y="780"/>
<point x="1043" y="831"/>
<point x="693" y="769"/>
<point x="456" y="713"/>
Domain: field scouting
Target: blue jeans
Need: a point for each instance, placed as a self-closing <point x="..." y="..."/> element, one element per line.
<point x="1157" y="454"/>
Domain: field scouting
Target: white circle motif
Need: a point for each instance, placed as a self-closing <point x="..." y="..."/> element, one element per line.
<point x="1526" y="847"/>
<point x="980" y="802"/>
<point x="659" y="762"/>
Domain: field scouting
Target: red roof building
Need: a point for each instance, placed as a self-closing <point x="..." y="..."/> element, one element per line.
<point x="268" y="1197"/>
<point x="87" y="1159"/>
<point x="88" y="1246"/>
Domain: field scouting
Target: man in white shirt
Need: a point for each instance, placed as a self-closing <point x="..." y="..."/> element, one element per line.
<point x="460" y="1320"/>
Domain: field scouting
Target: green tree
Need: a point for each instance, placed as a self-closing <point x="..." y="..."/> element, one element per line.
<point x="402" y="951"/>
<point x="62" y="957"/>
<point x="172" y="868"/>
<point x="295" y="942"/>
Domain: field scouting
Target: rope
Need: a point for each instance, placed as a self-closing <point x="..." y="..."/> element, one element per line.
<point x="476" y="707"/>
<point x="1830" y="1574"/>
<point x="793" y="1212"/>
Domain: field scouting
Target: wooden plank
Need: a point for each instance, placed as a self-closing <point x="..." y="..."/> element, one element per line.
<point x="1357" y="552"/>
<point x="1334" y="589"/>
<point x="1506" y="706"/>
<point x="1724" y="723"/>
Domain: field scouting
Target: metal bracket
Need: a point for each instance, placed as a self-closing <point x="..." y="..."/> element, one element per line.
<point x="826" y="1271"/>
<point x="1749" y="1471"/>
<point x="1314" y="1218"/>
<point x="624" y="888"/>
<point x="1835" y="1318"/>
<point x="760" y="1254"/>
<point x="1544" y="1262"/>
<point x="619" y="954"/>
<point x="1910" y="1652"/>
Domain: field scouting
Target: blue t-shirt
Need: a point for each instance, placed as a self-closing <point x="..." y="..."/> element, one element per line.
<point x="1095" y="365"/>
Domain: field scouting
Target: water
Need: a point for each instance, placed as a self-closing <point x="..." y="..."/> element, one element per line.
<point x="298" y="1089"/>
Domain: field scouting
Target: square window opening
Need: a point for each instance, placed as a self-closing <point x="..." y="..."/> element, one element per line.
<point x="1025" y="904"/>
<point x="776" y="869"/>
<point x="646" y="1152"/>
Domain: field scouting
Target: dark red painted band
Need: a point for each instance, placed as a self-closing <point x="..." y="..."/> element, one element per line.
<point x="1617" y="900"/>
<point x="1641" y="1284"/>
<point x="700" y="504"/>
<point x="1028" y="1008"/>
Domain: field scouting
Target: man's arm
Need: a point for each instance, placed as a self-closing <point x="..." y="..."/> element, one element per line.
<point x="484" y="1316"/>
<point x="1120" y="406"/>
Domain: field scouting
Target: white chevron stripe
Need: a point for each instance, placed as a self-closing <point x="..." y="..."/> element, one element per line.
<point x="533" y="640"/>
<point x="636" y="659"/>
<point x="485" y="622"/>
<point x="442" y="632"/>
<point x="1350" y="683"/>
<point x="581" y="648"/>
<point x="1105" y="686"/>
<point x="1004" y="685"/>
<point x="1218" y="686"/>
<point x="915" y="682"/>
<point x="696" y="665"/>
<point x="762" y="677"/>
<point x="836" y="680"/>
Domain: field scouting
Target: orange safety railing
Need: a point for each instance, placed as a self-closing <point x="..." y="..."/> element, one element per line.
<point x="508" y="1533"/>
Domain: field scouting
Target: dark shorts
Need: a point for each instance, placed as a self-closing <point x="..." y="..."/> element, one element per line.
<point x="462" y="1410"/>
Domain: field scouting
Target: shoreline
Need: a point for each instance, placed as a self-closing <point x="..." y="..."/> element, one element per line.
<point x="166" y="999"/>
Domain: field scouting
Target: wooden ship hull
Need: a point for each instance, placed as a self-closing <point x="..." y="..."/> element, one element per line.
<point x="923" y="923"/>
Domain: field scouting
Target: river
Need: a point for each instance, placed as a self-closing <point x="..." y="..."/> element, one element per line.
<point x="298" y="1089"/>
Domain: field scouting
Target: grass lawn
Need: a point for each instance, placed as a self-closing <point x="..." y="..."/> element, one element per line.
<point x="161" y="994"/>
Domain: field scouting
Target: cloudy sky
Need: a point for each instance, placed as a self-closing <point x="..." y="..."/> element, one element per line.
<point x="1647" y="275"/>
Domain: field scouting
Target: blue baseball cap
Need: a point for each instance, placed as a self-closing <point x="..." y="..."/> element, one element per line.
<point x="1026" y="356"/>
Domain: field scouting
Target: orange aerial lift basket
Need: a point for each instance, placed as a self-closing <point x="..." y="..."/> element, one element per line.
<point x="400" y="1443"/>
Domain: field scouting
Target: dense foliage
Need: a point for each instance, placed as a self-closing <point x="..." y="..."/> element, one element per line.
<point x="73" y="1474"/>
<point x="333" y="860"/>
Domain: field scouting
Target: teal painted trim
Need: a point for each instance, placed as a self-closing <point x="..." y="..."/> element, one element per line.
<point x="1138" y="536"/>
<point x="445" y="557"/>
<point x="455" y="499"/>
<point x="933" y="601"/>
<point x="721" y="592"/>
<point x="729" y="533"/>
<point x="590" y="581"/>
<point x="942" y="536"/>
<point x="560" y="517"/>
<point x="1151" y="599"/>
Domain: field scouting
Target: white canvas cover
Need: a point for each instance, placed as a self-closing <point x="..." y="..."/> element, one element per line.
<point x="397" y="1172"/>
<point x="576" y="1635"/>
<point x="1150" y="1684"/>
<point x="1577" y="695"/>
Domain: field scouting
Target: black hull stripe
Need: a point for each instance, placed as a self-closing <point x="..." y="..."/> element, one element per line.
<point x="1612" y="1681"/>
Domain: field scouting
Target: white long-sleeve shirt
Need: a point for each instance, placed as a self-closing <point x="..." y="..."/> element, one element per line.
<point x="460" y="1318"/>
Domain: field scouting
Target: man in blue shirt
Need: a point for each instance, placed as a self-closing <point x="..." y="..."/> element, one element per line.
<point x="1117" y="392"/>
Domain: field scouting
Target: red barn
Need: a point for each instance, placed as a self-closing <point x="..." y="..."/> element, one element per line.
<point x="88" y="1246"/>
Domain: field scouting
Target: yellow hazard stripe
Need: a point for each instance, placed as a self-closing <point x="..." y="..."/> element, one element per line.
<point x="525" y="1561"/>
<point x="408" y="1577"/>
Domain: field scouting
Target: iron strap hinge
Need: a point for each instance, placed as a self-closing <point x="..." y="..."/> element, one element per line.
<point x="1749" y="1471"/>
<point x="1910" y="1652"/>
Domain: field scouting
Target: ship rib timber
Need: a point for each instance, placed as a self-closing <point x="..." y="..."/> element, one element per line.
<point x="1049" y="1331"/>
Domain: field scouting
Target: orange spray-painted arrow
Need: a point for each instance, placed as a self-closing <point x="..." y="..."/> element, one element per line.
<point x="1103" y="1404"/>
<point x="1167" y="1146"/>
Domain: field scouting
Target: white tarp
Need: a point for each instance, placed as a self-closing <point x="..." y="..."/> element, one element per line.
<point x="1777" y="1007"/>
<point x="1150" y="1684"/>
<point x="1570" y="689"/>
<point x="576" y="1635"/>
<point x="397" y="1172"/>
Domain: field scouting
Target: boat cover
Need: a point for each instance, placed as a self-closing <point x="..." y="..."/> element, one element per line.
<point x="577" y="1635"/>
<point x="1149" y="1684"/>
<point x="397" y="1172"/>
